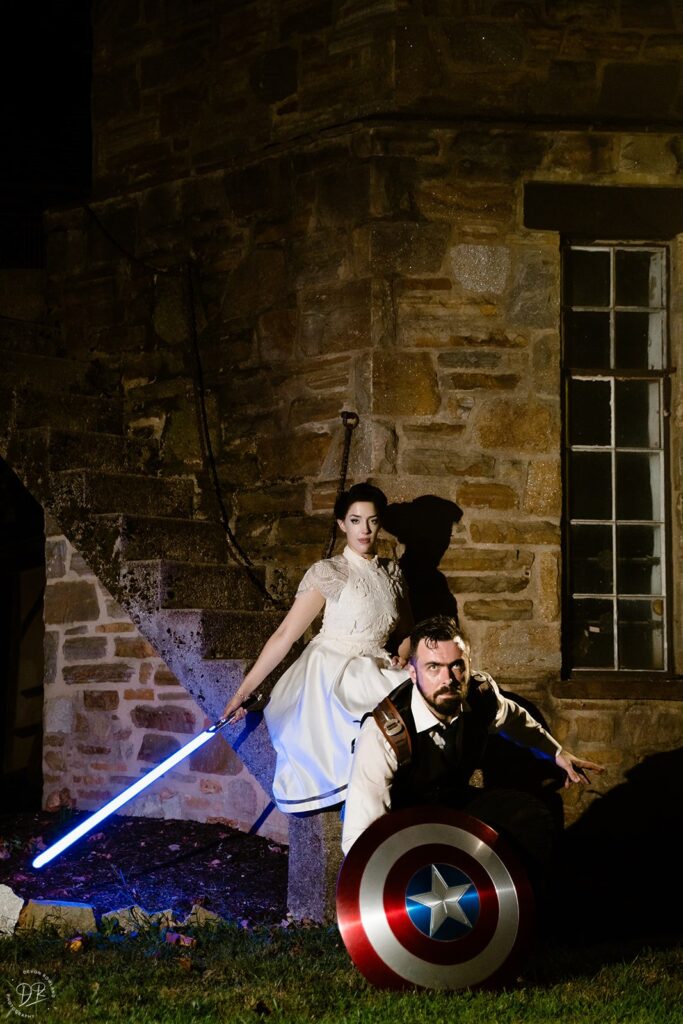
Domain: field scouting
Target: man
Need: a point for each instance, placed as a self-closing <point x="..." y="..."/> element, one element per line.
<point x="422" y="744"/>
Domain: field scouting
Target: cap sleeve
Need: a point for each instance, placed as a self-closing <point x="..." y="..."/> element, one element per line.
<point x="328" y="577"/>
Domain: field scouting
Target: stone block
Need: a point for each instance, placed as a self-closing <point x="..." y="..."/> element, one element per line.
<point x="492" y="44"/>
<point x="115" y="627"/>
<point x="492" y="531"/>
<point x="496" y="156"/>
<point x="100" y="700"/>
<point x="408" y="247"/>
<point x="293" y="455"/>
<point x="486" y="495"/>
<point x="71" y="602"/>
<point x="404" y="384"/>
<point x="498" y="610"/>
<point x="78" y="565"/>
<point x="54" y="760"/>
<point x="167" y="718"/>
<point x="276" y="333"/>
<point x="471" y="204"/>
<point x="58" y="715"/>
<point x="240" y="797"/>
<point x="441" y="462"/>
<point x="483" y="269"/>
<point x="127" y="919"/>
<point x="164" y="677"/>
<point x="97" y="673"/>
<point x="155" y="748"/>
<point x="310" y="411"/>
<point x="55" y="558"/>
<point x="335" y="318"/>
<point x="200" y="917"/>
<point x="549" y="596"/>
<point x="543" y="493"/>
<point x="51" y="642"/>
<point x="215" y="758"/>
<point x="525" y="426"/>
<point x="63" y="917"/>
<point x="84" y="648"/>
<point x="472" y="559"/>
<point x="142" y="694"/>
<point x="133" y="647"/>
<point x="490" y="584"/>
<point x="638" y="90"/>
<point x="10" y="909"/>
<point x="482" y="381"/>
<point x="274" y="74"/>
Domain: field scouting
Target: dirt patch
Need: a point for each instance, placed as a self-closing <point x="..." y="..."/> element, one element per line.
<point x="155" y="863"/>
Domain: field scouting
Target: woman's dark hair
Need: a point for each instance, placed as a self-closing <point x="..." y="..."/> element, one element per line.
<point x="360" y="492"/>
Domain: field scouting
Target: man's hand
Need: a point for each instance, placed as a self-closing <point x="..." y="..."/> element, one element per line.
<point x="575" y="768"/>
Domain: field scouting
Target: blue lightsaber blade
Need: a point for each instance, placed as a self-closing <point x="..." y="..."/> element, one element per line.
<point x="118" y="801"/>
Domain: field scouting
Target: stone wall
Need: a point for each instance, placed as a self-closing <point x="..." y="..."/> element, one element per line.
<point x="180" y="88"/>
<point x="346" y="182"/>
<point x="113" y="710"/>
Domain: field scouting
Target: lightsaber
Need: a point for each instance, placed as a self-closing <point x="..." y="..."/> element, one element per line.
<point x="137" y="787"/>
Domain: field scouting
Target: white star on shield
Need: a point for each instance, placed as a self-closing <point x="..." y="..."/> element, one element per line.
<point x="443" y="901"/>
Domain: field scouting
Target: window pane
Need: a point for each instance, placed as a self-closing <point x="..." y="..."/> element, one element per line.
<point x="639" y="278"/>
<point x="589" y="412"/>
<point x="590" y="483"/>
<point x="592" y="633"/>
<point x="638" y="486"/>
<point x="587" y="340"/>
<point x="638" y="341"/>
<point x="641" y="634"/>
<point x="639" y="560"/>
<point x="637" y="414"/>
<point x="586" y="279"/>
<point x="591" y="559"/>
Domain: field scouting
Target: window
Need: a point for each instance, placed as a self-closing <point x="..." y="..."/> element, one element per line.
<point x="615" y="389"/>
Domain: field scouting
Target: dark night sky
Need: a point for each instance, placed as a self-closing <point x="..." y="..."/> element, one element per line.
<point x="45" y="101"/>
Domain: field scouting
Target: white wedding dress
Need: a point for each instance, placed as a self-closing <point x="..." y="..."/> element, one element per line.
<point x="315" y="708"/>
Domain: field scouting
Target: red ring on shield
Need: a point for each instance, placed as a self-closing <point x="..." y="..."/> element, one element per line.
<point x="379" y="934"/>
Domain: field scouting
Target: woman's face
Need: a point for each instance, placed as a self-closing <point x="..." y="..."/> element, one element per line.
<point x="361" y="526"/>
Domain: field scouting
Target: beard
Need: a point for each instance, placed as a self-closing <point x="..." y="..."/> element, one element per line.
<point x="448" y="699"/>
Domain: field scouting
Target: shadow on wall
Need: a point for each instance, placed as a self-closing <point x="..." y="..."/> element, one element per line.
<point x="424" y="527"/>
<point x="618" y="874"/>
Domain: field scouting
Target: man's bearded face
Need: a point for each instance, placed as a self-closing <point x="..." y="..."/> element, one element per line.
<point x="441" y="672"/>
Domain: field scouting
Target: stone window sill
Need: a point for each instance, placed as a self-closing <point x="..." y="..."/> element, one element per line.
<point x="619" y="688"/>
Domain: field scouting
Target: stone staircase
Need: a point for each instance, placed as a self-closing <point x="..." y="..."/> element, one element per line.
<point x="137" y="530"/>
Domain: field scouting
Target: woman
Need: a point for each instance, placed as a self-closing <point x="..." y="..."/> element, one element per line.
<point x="315" y="708"/>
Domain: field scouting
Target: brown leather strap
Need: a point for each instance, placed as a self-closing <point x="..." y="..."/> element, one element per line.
<point x="393" y="728"/>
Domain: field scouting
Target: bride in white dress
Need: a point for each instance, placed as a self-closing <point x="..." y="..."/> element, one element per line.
<point x="315" y="708"/>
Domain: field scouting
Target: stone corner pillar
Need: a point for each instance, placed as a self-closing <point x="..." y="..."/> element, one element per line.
<point x="315" y="857"/>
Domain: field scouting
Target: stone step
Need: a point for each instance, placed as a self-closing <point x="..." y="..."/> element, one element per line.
<point x="233" y="635"/>
<point x="166" y="584"/>
<point x="40" y="448"/>
<point x="124" y="493"/>
<point x="144" y="538"/>
<point x="64" y="410"/>
<point x="44" y="373"/>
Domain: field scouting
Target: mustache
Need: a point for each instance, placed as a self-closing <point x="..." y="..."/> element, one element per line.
<point x="452" y="690"/>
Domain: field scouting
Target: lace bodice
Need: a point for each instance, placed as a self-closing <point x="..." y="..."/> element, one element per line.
<point x="362" y="599"/>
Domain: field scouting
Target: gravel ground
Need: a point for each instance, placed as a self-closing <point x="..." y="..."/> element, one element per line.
<point x="155" y="863"/>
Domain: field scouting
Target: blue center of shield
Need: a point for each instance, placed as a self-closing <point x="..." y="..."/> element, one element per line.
<point x="442" y="902"/>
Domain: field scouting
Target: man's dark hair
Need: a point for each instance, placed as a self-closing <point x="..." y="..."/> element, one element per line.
<point x="439" y="627"/>
<point x="360" y="492"/>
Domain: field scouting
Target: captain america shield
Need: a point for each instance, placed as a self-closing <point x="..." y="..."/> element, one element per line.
<point x="434" y="898"/>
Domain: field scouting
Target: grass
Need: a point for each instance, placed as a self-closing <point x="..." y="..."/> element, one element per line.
<point x="304" y="974"/>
